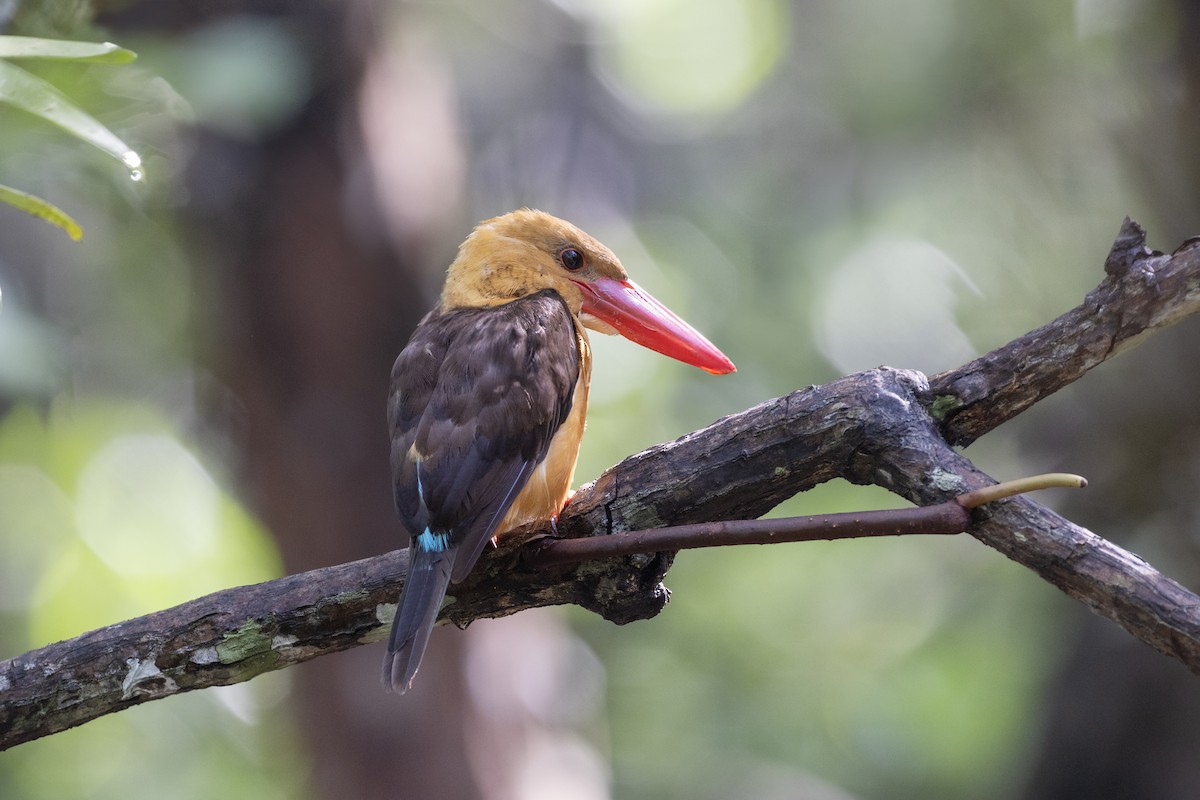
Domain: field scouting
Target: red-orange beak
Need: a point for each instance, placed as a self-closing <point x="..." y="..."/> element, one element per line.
<point x="640" y="318"/>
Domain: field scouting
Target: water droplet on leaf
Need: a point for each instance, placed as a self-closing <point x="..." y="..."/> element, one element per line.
<point x="134" y="162"/>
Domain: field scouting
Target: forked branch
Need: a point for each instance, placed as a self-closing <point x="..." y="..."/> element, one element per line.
<point x="887" y="427"/>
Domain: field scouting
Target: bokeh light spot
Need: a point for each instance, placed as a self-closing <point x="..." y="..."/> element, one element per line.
<point x="694" y="58"/>
<point x="145" y="505"/>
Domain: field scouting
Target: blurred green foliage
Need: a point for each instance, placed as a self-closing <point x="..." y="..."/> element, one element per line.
<point x="820" y="187"/>
<point x="112" y="506"/>
<point x="110" y="513"/>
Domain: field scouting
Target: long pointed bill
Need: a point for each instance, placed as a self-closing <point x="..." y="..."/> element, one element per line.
<point x="637" y="316"/>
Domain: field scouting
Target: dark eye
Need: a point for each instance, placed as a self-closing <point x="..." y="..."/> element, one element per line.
<point x="571" y="259"/>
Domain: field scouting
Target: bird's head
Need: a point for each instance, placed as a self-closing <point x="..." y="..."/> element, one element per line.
<point x="526" y="251"/>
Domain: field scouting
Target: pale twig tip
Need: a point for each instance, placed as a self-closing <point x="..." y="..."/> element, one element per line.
<point x="999" y="491"/>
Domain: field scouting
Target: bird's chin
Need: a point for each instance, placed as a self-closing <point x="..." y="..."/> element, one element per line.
<point x="596" y="324"/>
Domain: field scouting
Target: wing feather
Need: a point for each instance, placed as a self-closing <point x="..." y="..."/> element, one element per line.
<point x="476" y="397"/>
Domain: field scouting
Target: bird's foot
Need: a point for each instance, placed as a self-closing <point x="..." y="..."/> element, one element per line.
<point x="562" y="508"/>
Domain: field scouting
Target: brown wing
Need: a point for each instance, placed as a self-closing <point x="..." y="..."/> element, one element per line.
<point x="476" y="397"/>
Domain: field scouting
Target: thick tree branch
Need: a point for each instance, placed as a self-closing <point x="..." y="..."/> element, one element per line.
<point x="888" y="427"/>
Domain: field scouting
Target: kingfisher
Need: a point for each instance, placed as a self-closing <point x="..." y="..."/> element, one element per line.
<point x="488" y="398"/>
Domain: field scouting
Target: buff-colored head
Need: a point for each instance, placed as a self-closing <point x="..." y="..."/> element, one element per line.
<point x="523" y="252"/>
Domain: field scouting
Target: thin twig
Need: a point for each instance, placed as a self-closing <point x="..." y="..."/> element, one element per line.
<point x="943" y="518"/>
<point x="946" y="518"/>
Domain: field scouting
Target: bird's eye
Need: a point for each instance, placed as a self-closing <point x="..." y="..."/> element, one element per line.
<point x="571" y="259"/>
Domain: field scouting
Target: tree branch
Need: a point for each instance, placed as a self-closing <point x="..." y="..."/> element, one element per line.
<point x="1144" y="291"/>
<point x="888" y="427"/>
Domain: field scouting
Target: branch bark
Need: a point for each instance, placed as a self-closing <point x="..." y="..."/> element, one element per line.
<point x="888" y="427"/>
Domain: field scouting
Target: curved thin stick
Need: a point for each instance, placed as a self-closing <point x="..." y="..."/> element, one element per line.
<point x="999" y="491"/>
<point x="950" y="517"/>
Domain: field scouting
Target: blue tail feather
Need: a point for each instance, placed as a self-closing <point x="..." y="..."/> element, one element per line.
<point x="429" y="567"/>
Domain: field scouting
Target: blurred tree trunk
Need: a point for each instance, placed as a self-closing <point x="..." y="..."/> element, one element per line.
<point x="311" y="301"/>
<point x="1122" y="721"/>
<point x="309" y="319"/>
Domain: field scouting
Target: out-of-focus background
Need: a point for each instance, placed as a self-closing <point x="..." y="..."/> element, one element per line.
<point x="192" y="397"/>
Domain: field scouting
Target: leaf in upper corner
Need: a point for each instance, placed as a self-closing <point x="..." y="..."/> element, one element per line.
<point x="29" y="92"/>
<point x="40" y="208"/>
<point x="62" y="50"/>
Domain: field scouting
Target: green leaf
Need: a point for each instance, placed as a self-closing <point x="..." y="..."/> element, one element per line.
<point x="40" y="208"/>
<point x="33" y="94"/>
<point x="61" y="50"/>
